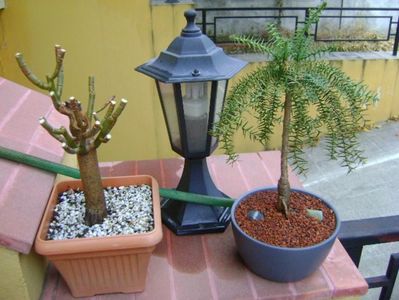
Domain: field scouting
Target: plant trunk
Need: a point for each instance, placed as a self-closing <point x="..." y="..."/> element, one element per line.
<point x="94" y="194"/>
<point x="283" y="187"/>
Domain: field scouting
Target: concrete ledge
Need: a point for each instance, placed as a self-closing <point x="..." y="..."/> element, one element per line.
<point x="370" y="55"/>
<point x="163" y="2"/>
<point x="24" y="190"/>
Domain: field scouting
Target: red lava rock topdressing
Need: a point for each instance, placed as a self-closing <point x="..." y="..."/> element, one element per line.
<point x="299" y="230"/>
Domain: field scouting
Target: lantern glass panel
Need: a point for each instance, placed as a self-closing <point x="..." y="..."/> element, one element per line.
<point x="196" y="99"/>
<point x="167" y="96"/>
<point x="220" y="95"/>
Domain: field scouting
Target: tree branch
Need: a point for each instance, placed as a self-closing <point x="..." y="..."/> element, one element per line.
<point x="29" y="74"/>
<point x="92" y="97"/>
<point x="59" y="55"/>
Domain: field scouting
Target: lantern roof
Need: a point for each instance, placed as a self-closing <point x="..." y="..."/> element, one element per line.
<point x="192" y="57"/>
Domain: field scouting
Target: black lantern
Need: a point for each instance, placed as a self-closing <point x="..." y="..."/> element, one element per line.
<point x="191" y="77"/>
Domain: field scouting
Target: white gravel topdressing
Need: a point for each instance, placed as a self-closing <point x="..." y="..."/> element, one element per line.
<point x="129" y="211"/>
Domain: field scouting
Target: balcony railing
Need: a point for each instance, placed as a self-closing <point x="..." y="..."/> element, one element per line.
<point x="356" y="234"/>
<point x="212" y="18"/>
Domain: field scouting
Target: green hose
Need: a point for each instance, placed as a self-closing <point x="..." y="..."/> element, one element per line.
<point x="196" y="198"/>
<point x="39" y="163"/>
<point x="74" y="173"/>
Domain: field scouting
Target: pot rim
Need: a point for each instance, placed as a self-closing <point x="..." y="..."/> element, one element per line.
<point x="146" y="239"/>
<point x="253" y="191"/>
<point x="72" y="181"/>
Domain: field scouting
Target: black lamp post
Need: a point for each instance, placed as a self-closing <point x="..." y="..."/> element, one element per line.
<point x="191" y="78"/>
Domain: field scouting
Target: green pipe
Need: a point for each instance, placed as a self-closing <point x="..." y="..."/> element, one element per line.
<point x="195" y="198"/>
<point x="74" y="173"/>
<point x="38" y="163"/>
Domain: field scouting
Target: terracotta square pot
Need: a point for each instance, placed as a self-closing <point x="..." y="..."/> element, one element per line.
<point x="102" y="265"/>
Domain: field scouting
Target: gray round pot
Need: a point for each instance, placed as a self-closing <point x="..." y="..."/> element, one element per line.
<point x="280" y="263"/>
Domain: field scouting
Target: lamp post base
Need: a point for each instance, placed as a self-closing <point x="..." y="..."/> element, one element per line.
<point x="185" y="218"/>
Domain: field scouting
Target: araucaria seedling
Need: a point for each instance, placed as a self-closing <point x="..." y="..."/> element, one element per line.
<point x="313" y="96"/>
<point x="86" y="131"/>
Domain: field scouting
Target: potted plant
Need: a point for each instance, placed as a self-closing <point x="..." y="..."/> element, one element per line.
<point x="284" y="234"/>
<point x="101" y="239"/>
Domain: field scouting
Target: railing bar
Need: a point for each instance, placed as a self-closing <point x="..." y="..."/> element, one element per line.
<point x="377" y="281"/>
<point x="358" y="17"/>
<point x="377" y="229"/>
<point x="204" y="24"/>
<point x="348" y="40"/>
<point x="299" y="8"/>
<point x="340" y="15"/>
<point x="396" y="42"/>
<point x="392" y="272"/>
<point x="389" y="29"/>
<point x="306" y="17"/>
<point x="214" y="29"/>
<point x="355" y="253"/>
<point x="254" y="17"/>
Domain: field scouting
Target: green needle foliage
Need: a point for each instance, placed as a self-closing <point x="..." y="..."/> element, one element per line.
<point x="286" y="89"/>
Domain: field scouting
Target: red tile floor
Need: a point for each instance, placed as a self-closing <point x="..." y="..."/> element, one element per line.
<point x="208" y="266"/>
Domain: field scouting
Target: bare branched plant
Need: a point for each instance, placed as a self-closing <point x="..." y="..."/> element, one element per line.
<point x="86" y="131"/>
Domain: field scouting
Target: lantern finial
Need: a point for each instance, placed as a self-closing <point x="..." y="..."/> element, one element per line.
<point x="191" y="30"/>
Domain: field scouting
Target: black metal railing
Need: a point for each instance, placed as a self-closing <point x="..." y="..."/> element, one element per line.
<point x="210" y="17"/>
<point x="356" y="234"/>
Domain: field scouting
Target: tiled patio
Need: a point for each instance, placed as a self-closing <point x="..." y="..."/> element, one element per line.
<point x="207" y="266"/>
<point x="369" y="191"/>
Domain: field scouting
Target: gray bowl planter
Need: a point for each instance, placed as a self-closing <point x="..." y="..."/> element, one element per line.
<point x="280" y="263"/>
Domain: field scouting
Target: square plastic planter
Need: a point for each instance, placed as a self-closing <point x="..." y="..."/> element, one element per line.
<point x="102" y="265"/>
